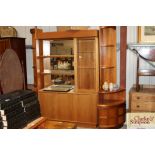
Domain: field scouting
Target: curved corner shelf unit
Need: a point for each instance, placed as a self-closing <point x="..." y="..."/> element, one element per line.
<point x="111" y="106"/>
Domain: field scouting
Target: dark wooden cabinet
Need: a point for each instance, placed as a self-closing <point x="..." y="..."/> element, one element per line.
<point x="18" y="45"/>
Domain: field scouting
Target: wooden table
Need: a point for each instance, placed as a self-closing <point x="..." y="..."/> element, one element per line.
<point x="44" y="123"/>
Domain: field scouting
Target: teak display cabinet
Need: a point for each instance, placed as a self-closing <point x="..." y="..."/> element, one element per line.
<point x="78" y="105"/>
<point x="94" y="61"/>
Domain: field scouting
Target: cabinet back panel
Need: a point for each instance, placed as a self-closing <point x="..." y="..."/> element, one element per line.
<point x="109" y="36"/>
<point x="108" y="75"/>
<point x="107" y="56"/>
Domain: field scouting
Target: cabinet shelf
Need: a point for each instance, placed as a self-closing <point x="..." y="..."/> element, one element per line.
<point x="86" y="52"/>
<point x="107" y="67"/>
<point x="56" y="56"/>
<point x="109" y="103"/>
<point x="104" y="45"/>
<point x="58" y="72"/>
<point x="111" y="92"/>
<point x="86" y="68"/>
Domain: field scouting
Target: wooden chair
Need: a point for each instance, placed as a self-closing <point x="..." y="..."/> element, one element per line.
<point x="148" y="55"/>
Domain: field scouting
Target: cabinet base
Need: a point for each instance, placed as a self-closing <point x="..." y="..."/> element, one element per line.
<point x="111" y="115"/>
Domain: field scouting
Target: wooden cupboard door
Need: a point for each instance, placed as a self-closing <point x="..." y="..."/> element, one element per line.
<point x="64" y="107"/>
<point x="85" y="110"/>
<point x="87" y="65"/>
<point x="56" y="106"/>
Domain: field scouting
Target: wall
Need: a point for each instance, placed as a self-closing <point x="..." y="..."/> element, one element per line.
<point x="24" y="31"/>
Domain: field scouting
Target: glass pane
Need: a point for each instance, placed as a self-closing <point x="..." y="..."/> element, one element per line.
<point x="86" y="45"/>
<point x="86" y="60"/>
<point x="86" y="64"/>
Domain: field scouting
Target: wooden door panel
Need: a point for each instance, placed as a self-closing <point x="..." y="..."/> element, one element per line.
<point x="56" y="106"/>
<point x="85" y="108"/>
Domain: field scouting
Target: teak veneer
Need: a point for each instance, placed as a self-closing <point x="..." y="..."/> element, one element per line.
<point x="79" y="105"/>
<point x="87" y="104"/>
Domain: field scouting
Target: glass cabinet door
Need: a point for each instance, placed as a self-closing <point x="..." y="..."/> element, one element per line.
<point x="87" y="64"/>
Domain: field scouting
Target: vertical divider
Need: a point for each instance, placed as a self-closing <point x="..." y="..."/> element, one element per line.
<point x="97" y="63"/>
<point x="75" y="63"/>
<point x="34" y="39"/>
<point x="123" y="47"/>
<point x="41" y="64"/>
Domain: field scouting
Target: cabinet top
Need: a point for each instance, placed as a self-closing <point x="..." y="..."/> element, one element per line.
<point x="145" y="89"/>
<point x="66" y="34"/>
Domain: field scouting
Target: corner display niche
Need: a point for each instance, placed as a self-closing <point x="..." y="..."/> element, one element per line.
<point x="111" y="106"/>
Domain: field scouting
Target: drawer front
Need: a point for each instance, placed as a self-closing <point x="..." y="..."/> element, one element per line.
<point x="108" y="122"/>
<point x="121" y="110"/>
<point x="111" y="122"/>
<point x="103" y="113"/>
<point x="143" y="106"/>
<point x="143" y="97"/>
<point x="112" y="112"/>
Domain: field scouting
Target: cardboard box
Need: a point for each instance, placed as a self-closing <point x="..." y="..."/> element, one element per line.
<point x="66" y="28"/>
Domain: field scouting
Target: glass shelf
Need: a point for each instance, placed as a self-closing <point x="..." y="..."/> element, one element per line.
<point x="59" y="72"/>
<point x="107" y="67"/>
<point x="56" y="56"/>
<point x="111" y="92"/>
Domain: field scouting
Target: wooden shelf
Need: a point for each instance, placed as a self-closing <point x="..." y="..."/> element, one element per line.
<point x="102" y="45"/>
<point x="56" y="56"/>
<point x="107" y="67"/>
<point x="109" y="103"/>
<point x="86" y="68"/>
<point x="86" y="52"/>
<point x="111" y="92"/>
<point x="58" y="72"/>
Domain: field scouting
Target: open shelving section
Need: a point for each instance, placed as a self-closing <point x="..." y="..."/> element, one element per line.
<point x="107" y="55"/>
<point x="111" y="105"/>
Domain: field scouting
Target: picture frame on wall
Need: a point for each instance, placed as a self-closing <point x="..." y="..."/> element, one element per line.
<point x="146" y="34"/>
